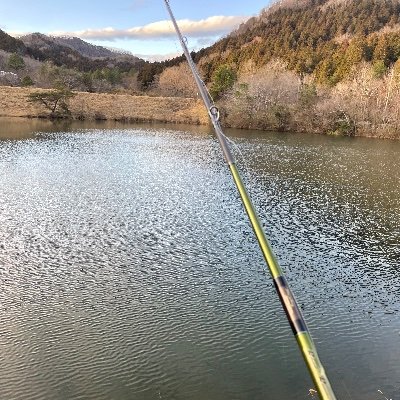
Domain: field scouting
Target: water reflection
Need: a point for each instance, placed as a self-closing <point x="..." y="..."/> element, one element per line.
<point x="128" y="269"/>
<point x="28" y="128"/>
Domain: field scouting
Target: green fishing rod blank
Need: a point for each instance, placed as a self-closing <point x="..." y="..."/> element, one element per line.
<point x="293" y="313"/>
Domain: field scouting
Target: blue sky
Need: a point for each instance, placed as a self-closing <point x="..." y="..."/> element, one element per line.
<point x="139" y="26"/>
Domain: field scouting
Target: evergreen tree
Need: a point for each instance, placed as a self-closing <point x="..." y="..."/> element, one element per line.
<point x="16" y="62"/>
<point x="222" y="80"/>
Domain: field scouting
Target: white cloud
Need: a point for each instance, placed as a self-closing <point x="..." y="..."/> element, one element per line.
<point x="206" y="41"/>
<point x="17" y="34"/>
<point x="211" y="26"/>
<point x="158" y="57"/>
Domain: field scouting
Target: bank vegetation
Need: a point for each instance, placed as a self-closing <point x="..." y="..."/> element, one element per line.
<point x="275" y="98"/>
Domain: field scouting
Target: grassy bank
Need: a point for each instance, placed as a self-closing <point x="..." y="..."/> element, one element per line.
<point x="271" y="100"/>
<point x="119" y="107"/>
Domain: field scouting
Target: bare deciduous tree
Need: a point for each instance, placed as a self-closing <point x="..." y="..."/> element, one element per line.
<point x="263" y="99"/>
<point x="373" y="104"/>
<point x="177" y="82"/>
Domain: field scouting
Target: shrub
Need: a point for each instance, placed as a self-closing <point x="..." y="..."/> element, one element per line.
<point x="27" y="81"/>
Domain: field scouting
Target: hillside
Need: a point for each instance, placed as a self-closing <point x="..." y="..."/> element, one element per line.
<point x="325" y="37"/>
<point x="46" y="61"/>
<point x="10" y="44"/>
<point x="322" y="37"/>
<point x="75" y="53"/>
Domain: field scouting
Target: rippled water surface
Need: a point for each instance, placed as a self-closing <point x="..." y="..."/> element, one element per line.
<point x="128" y="269"/>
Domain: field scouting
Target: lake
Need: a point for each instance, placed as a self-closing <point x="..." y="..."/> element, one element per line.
<point x="128" y="269"/>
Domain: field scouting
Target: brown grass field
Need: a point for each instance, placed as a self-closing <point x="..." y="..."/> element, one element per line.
<point x="118" y="107"/>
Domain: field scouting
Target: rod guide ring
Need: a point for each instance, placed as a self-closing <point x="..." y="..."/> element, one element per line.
<point x="214" y="111"/>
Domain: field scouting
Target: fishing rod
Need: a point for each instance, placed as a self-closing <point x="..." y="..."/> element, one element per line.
<point x="294" y="315"/>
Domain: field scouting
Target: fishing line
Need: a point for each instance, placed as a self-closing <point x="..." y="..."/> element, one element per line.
<point x="171" y="26"/>
<point x="231" y="141"/>
<point x="288" y="301"/>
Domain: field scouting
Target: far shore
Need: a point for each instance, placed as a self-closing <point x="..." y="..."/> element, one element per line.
<point x="105" y="106"/>
<point x="121" y="107"/>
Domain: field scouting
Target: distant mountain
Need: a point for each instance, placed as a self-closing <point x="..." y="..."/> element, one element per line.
<point x="10" y="44"/>
<point x="68" y="52"/>
<point x="85" y="49"/>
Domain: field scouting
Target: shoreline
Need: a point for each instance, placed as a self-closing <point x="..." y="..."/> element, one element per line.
<point x="127" y="108"/>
